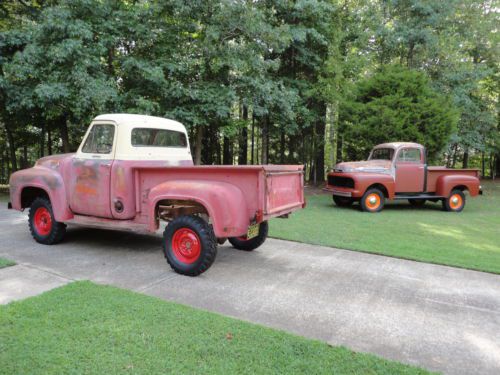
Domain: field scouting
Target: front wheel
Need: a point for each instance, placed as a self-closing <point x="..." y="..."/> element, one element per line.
<point x="455" y="202"/>
<point x="342" y="201"/>
<point x="189" y="245"/>
<point x="243" y="243"/>
<point x="372" y="201"/>
<point x="43" y="226"/>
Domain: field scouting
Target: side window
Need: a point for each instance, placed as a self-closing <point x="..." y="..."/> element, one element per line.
<point x="158" y="138"/>
<point x="100" y="139"/>
<point x="409" y="155"/>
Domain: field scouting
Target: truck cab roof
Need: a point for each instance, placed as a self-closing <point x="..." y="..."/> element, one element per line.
<point x="139" y="137"/>
<point x="397" y="145"/>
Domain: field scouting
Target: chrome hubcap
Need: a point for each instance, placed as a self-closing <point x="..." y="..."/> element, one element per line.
<point x="373" y="200"/>
<point x="454" y="200"/>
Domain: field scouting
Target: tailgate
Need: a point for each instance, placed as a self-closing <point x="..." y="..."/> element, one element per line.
<point x="284" y="190"/>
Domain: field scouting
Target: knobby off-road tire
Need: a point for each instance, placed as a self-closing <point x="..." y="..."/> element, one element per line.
<point x="43" y="226"/>
<point x="372" y="201"/>
<point x="455" y="202"/>
<point x="417" y="202"/>
<point x="189" y="245"/>
<point x="242" y="243"/>
<point x="342" y="201"/>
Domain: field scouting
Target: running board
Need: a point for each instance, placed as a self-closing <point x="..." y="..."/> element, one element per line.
<point x="418" y="196"/>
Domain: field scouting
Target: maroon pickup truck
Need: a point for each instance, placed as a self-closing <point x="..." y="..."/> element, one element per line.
<point x="132" y="171"/>
<point x="399" y="171"/>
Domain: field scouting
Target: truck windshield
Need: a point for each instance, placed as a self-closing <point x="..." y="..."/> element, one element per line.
<point x="382" y="154"/>
<point x="150" y="137"/>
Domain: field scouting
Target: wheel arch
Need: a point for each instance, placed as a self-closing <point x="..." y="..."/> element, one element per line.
<point x="224" y="203"/>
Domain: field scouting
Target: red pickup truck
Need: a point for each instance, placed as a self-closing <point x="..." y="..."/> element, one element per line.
<point x="132" y="171"/>
<point x="399" y="171"/>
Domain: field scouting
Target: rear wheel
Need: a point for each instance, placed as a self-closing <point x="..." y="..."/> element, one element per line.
<point x="189" y="245"/>
<point x="43" y="226"/>
<point x="417" y="202"/>
<point x="243" y="243"/>
<point x="455" y="202"/>
<point x="342" y="201"/>
<point x="372" y="201"/>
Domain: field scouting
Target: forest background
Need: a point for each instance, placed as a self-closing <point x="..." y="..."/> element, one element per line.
<point x="310" y="82"/>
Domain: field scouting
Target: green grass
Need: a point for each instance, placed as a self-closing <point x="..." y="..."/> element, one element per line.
<point x="92" y="329"/>
<point x="470" y="239"/>
<point x="6" y="263"/>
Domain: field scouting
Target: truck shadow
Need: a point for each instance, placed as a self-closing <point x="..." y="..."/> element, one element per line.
<point x="394" y="207"/>
<point x="110" y="239"/>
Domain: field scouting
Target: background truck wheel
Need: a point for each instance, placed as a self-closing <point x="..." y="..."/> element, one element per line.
<point x="43" y="226"/>
<point x="455" y="202"/>
<point x="342" y="201"/>
<point x="242" y="243"/>
<point x="189" y="245"/>
<point x="372" y="201"/>
<point x="417" y="202"/>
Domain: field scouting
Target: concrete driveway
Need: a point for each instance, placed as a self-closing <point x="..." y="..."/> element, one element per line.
<point x="436" y="317"/>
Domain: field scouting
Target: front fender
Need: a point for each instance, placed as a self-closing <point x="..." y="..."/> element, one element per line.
<point x="43" y="178"/>
<point x="446" y="183"/>
<point x="224" y="202"/>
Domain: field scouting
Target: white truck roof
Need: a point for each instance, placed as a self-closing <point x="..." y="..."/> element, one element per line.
<point x="123" y="148"/>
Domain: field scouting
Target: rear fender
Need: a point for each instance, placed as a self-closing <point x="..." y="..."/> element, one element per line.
<point x="224" y="202"/>
<point x="445" y="184"/>
<point x="48" y="180"/>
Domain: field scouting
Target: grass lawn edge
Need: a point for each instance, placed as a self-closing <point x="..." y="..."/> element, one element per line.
<point x="378" y="253"/>
<point x="287" y="343"/>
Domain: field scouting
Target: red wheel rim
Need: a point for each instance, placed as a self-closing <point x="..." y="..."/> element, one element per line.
<point x="42" y="221"/>
<point x="373" y="201"/>
<point x="186" y="245"/>
<point x="456" y="201"/>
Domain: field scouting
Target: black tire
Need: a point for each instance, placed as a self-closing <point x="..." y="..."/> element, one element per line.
<point x="342" y="201"/>
<point x="449" y="204"/>
<point x="368" y="206"/>
<point x="205" y="244"/>
<point x="417" y="202"/>
<point x="43" y="226"/>
<point x="253" y="243"/>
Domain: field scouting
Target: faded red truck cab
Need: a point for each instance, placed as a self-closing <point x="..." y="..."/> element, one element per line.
<point x="399" y="171"/>
<point x="133" y="171"/>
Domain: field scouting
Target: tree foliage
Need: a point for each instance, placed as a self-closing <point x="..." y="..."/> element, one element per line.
<point x="396" y="104"/>
<point x="266" y="81"/>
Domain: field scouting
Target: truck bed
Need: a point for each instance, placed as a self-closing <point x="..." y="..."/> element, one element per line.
<point x="268" y="190"/>
<point x="433" y="173"/>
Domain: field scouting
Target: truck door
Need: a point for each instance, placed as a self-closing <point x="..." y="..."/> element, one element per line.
<point x="90" y="174"/>
<point x="410" y="171"/>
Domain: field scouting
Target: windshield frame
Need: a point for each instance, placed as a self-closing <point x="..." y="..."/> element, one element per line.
<point x="391" y="149"/>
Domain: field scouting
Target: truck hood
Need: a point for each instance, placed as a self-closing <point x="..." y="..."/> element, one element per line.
<point x="374" y="166"/>
<point x="53" y="161"/>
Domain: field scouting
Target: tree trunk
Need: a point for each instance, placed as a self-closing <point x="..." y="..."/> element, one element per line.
<point x="12" y="149"/>
<point x="226" y="156"/>
<point x="465" y="162"/>
<point x="199" y="145"/>
<point x="42" y="141"/>
<point x="265" y="140"/>
<point x="63" y="128"/>
<point x="339" y="148"/>
<point x="319" y="162"/>
<point x="49" y="142"/>
<point x="497" y="165"/>
<point x="253" y="138"/>
<point x="243" y="144"/>
<point x="25" y="163"/>
<point x="482" y="165"/>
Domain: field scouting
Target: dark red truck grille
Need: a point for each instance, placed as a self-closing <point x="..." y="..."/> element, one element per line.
<point x="344" y="182"/>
